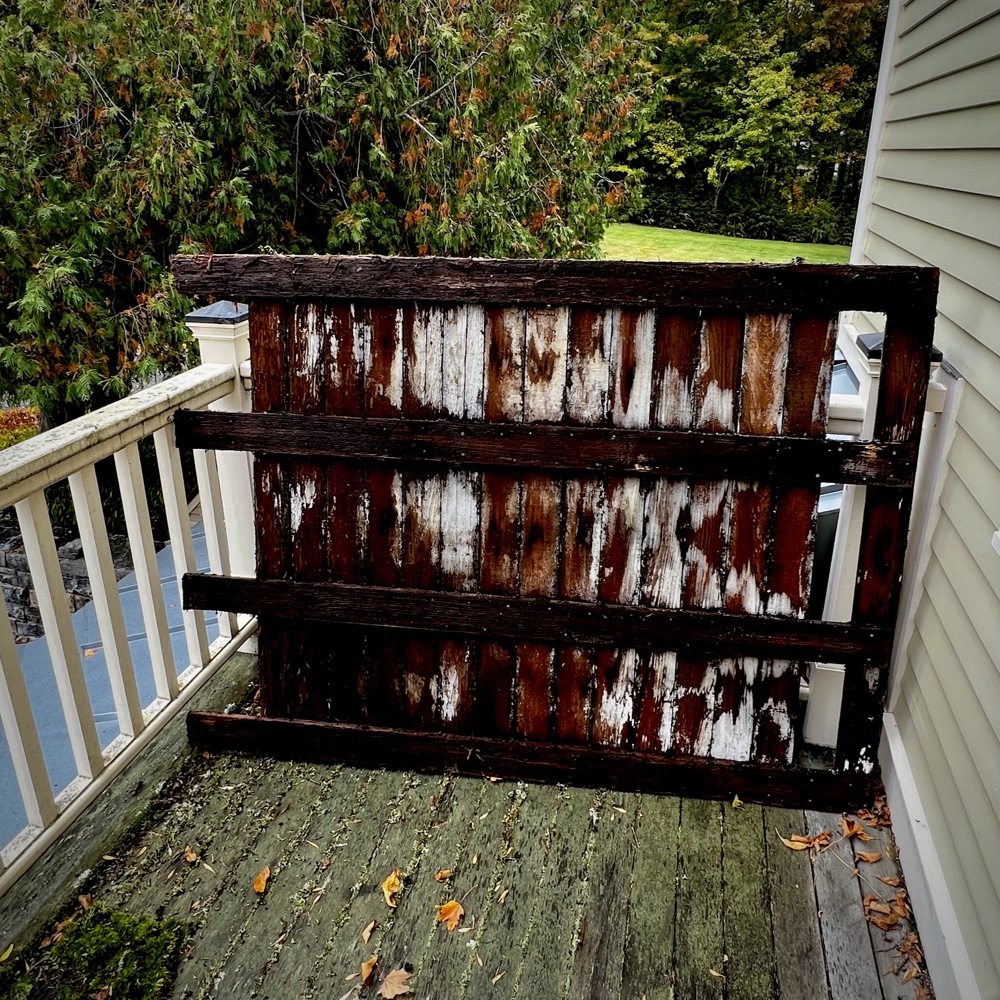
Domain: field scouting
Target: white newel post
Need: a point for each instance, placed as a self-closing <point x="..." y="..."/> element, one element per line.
<point x="223" y="334"/>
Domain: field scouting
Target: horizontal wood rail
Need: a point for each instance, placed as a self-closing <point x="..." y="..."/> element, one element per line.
<point x="538" y="618"/>
<point x="809" y="287"/>
<point x="553" y="447"/>
<point x="604" y="767"/>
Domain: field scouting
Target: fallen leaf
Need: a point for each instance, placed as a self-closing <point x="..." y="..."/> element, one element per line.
<point x="102" y="994"/>
<point x="802" y="842"/>
<point x="86" y="901"/>
<point x="205" y="864"/>
<point x="496" y="979"/>
<point x="869" y="856"/>
<point x="367" y="932"/>
<point x="718" y="975"/>
<point x="737" y="802"/>
<point x="9" y="951"/>
<point x="313" y="844"/>
<point x="884" y="923"/>
<point x="795" y="845"/>
<point x="391" y="886"/>
<point x="475" y="859"/>
<point x="394" y="984"/>
<point x="444" y="875"/>
<point x="109" y="857"/>
<point x="503" y="897"/>
<point x="352" y="976"/>
<point x="850" y="827"/>
<point x="479" y="960"/>
<point x="450" y="913"/>
<point x="910" y="974"/>
<point x="89" y="652"/>
<point x="189" y="855"/>
<point x="260" y="882"/>
<point x="894" y="882"/>
<point x="367" y="968"/>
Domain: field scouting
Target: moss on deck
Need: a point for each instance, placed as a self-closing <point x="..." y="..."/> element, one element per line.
<point x="567" y="892"/>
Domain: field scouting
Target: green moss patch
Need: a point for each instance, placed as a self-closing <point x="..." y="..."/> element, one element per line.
<point x="104" y="953"/>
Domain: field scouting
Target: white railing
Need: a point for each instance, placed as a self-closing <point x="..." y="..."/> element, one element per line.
<point x="71" y="452"/>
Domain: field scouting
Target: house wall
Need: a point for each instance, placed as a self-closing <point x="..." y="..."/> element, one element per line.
<point x="932" y="196"/>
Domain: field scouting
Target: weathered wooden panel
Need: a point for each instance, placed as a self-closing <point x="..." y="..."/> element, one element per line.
<point x="538" y="503"/>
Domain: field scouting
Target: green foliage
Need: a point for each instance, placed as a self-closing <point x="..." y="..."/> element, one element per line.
<point x="105" y="952"/>
<point x="132" y="131"/>
<point x="763" y="116"/>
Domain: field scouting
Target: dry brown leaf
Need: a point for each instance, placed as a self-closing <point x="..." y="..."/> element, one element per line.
<point x="850" y="827"/>
<point x="894" y="882"/>
<point x="801" y="842"/>
<point x="208" y="866"/>
<point x="189" y="855"/>
<point x="496" y="979"/>
<point x="475" y="859"/>
<point x="910" y="973"/>
<point x="391" y="887"/>
<point x="444" y="875"/>
<point x="394" y="984"/>
<point x="368" y="969"/>
<point x="86" y="901"/>
<point x="718" y="975"/>
<point x="450" y="913"/>
<point x="260" y="882"/>
<point x="109" y="857"/>
<point x="869" y="856"/>
<point x="503" y="897"/>
<point x="795" y="845"/>
<point x="367" y="932"/>
<point x="89" y="652"/>
<point x="884" y="923"/>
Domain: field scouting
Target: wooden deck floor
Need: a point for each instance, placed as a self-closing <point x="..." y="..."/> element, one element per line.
<point x="567" y="892"/>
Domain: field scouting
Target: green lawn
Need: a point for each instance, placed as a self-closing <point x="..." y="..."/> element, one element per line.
<point x="625" y="241"/>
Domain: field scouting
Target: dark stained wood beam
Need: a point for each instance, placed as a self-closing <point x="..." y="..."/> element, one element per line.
<point x="807" y="287"/>
<point x="710" y="633"/>
<point x="603" y="767"/>
<point x="552" y="447"/>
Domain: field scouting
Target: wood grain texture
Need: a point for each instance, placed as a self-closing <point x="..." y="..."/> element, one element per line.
<point x="552" y="448"/>
<point x="527" y="760"/>
<point x="556" y="282"/>
<point x="544" y="620"/>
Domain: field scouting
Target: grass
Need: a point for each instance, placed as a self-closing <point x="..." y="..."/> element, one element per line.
<point x="626" y="241"/>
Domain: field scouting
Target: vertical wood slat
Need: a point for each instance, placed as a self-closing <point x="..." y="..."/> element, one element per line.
<point x="423" y="396"/>
<point x="619" y="671"/>
<point x="587" y="400"/>
<point x="107" y="601"/>
<point x="807" y="400"/>
<point x="676" y="362"/>
<point x="315" y="660"/>
<point x="545" y="343"/>
<point x="898" y="417"/>
<point x="345" y="503"/>
<point x="214" y="519"/>
<point x="714" y="408"/>
<point x="268" y="359"/>
<point x="64" y="652"/>
<point x="168" y="461"/>
<point x="464" y="331"/>
<point x="147" y="572"/>
<point x="765" y="356"/>
<point x="503" y="400"/>
<point x="21" y="733"/>
<point x="391" y="686"/>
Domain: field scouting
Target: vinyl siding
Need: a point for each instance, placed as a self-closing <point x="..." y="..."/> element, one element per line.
<point x="935" y="199"/>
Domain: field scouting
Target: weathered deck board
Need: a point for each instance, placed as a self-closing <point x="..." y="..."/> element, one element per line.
<point x="603" y="894"/>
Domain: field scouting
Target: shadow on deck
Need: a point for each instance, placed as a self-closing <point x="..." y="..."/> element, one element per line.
<point x="567" y="892"/>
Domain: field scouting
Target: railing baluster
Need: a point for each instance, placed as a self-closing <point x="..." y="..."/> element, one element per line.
<point x="168" y="460"/>
<point x="140" y="533"/>
<point x="107" y="602"/>
<point x="64" y="650"/>
<point x="213" y="517"/>
<point x="18" y="722"/>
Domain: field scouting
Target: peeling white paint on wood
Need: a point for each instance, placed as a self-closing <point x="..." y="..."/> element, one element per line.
<point x="821" y="401"/>
<point x="716" y="407"/>
<point x="423" y="506"/>
<point x="617" y="702"/>
<point x="632" y="350"/>
<point x="732" y="732"/>
<point x="707" y="499"/>
<point x="390" y="384"/>
<point x="665" y="560"/>
<point x="546" y="336"/>
<point x="625" y="512"/>
<point x="310" y="318"/>
<point x="781" y="604"/>
<point x="448" y="690"/>
<point x="674" y="405"/>
<point x="459" y="529"/>
<point x="302" y="496"/>
<point x="425" y="364"/>
<point x="742" y="584"/>
<point x="663" y="666"/>
<point x="589" y="371"/>
<point x="585" y="499"/>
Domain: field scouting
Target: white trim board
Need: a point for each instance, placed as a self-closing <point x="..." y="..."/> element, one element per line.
<point x="944" y="948"/>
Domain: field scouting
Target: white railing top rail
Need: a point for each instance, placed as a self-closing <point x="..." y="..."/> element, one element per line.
<point x="40" y="461"/>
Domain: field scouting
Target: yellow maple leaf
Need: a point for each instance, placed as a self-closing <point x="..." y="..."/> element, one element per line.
<point x="391" y="886"/>
<point x="450" y="913"/>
